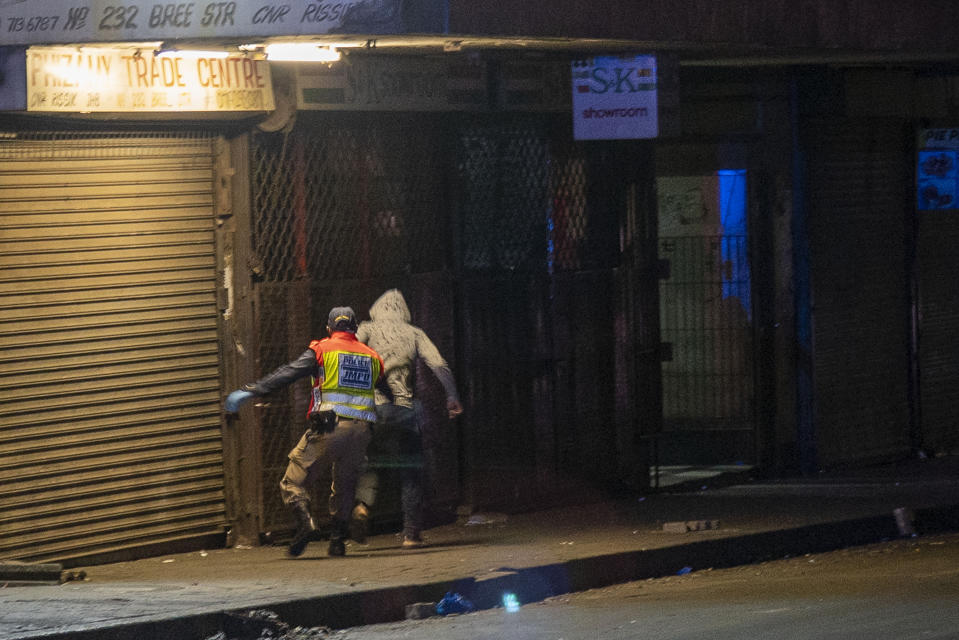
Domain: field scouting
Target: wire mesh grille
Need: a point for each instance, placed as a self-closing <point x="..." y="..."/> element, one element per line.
<point x="568" y="214"/>
<point x="353" y="201"/>
<point x="524" y="201"/>
<point x="505" y="180"/>
<point x="342" y="206"/>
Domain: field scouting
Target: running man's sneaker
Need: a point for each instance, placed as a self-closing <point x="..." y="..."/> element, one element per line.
<point x="360" y="523"/>
<point x="413" y="542"/>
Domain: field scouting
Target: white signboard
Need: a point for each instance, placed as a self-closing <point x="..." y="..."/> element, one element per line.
<point x="614" y="98"/>
<point x="95" y="79"/>
<point x="78" y="21"/>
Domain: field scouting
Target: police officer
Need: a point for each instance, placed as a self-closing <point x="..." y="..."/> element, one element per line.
<point x="344" y="372"/>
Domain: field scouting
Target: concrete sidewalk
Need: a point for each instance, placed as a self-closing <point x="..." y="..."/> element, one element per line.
<point x="187" y="596"/>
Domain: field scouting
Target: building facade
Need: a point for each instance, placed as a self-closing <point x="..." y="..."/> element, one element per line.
<point x="762" y="281"/>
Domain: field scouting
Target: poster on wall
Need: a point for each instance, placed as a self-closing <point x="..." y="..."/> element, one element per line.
<point x="937" y="175"/>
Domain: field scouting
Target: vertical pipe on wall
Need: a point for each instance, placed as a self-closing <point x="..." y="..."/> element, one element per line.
<point x="805" y="418"/>
<point x="642" y="259"/>
<point x="242" y="432"/>
<point x="299" y="301"/>
<point x="914" y="319"/>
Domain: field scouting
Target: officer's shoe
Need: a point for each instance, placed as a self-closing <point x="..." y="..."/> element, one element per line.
<point x="305" y="530"/>
<point x="360" y="523"/>
<point x="337" y="547"/>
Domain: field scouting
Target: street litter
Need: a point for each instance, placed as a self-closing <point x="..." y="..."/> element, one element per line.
<point x="686" y="526"/>
<point x="905" y="522"/>
<point x="420" y="610"/>
<point x="486" y="518"/>
<point x="453" y="603"/>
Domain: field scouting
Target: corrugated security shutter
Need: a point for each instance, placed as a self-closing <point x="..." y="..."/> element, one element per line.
<point x="109" y="393"/>
<point x="857" y="228"/>
<point x="939" y="328"/>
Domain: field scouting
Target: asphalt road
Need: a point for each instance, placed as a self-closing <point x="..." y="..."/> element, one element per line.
<point x="898" y="590"/>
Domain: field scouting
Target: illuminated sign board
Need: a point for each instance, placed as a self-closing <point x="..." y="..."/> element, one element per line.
<point x="56" y="21"/>
<point x="614" y="98"/>
<point x="937" y="169"/>
<point x="94" y="79"/>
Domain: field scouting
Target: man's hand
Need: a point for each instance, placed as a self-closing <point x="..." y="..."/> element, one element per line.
<point x="235" y="400"/>
<point x="454" y="407"/>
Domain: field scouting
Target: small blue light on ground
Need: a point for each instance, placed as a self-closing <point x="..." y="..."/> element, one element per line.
<point x="510" y="602"/>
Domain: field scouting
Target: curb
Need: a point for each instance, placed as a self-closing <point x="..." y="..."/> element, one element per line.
<point x="535" y="584"/>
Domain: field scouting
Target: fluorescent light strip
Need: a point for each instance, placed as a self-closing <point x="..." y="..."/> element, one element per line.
<point x="300" y="52"/>
<point x="191" y="53"/>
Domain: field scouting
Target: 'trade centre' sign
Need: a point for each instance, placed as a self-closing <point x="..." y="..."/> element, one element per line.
<point x="615" y="98"/>
<point x="95" y="79"/>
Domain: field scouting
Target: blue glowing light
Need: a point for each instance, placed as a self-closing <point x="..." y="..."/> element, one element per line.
<point x="735" y="254"/>
<point x="510" y="602"/>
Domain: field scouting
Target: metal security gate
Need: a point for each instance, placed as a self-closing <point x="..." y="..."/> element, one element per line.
<point x="109" y="383"/>
<point x="346" y="206"/>
<point x="539" y="246"/>
<point x="858" y="199"/>
<point x="706" y="320"/>
<point x="504" y="237"/>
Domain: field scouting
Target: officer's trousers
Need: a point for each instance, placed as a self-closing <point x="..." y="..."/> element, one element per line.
<point x="344" y="448"/>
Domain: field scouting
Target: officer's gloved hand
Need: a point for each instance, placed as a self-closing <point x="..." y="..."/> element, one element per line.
<point x="235" y="400"/>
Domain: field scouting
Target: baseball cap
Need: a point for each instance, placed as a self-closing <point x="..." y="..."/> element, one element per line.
<point x="342" y="319"/>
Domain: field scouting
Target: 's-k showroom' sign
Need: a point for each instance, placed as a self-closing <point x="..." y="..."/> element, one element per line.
<point x="614" y="98"/>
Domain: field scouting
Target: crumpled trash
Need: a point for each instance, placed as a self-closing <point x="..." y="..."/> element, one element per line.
<point x="486" y="518"/>
<point x="453" y="603"/>
<point x="684" y="571"/>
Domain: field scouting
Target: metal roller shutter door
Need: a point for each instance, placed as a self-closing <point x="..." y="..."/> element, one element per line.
<point x="858" y="190"/>
<point x="109" y="387"/>
<point x="939" y="328"/>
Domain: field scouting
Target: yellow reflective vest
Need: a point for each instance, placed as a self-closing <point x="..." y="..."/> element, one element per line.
<point x="348" y="371"/>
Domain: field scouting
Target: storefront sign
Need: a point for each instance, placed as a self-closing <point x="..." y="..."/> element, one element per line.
<point x="614" y="97"/>
<point x="947" y="138"/>
<point x="533" y="85"/>
<point x="937" y="169"/>
<point x="94" y="79"/>
<point x="361" y="83"/>
<point x="59" y="21"/>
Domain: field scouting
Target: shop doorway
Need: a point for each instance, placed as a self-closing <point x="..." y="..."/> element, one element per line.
<point x="706" y="322"/>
